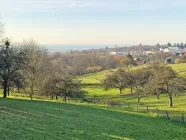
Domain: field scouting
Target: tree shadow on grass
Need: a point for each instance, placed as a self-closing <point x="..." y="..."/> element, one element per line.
<point x="67" y="121"/>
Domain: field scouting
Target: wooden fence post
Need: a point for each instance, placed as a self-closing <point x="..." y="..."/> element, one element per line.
<point x="147" y="109"/>
<point x="183" y="118"/>
<point x="156" y="110"/>
<point x="94" y="100"/>
<point x="167" y="115"/>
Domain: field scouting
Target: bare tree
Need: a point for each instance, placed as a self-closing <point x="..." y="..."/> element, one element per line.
<point x="141" y="78"/>
<point x="61" y="86"/>
<point x="37" y="65"/>
<point x="164" y="81"/>
<point x="118" y="79"/>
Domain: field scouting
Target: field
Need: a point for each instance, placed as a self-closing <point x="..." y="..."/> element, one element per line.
<point x="94" y="89"/>
<point x="40" y="120"/>
<point x="22" y="119"/>
<point x="93" y="86"/>
<point x="95" y="78"/>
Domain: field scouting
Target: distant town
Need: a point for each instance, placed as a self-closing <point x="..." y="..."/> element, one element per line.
<point x="170" y="53"/>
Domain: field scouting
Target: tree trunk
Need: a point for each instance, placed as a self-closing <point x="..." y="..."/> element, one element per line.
<point x="56" y="98"/>
<point x="170" y="102"/>
<point x="31" y="95"/>
<point x="8" y="90"/>
<point x="131" y="90"/>
<point x="32" y="88"/>
<point x="139" y="99"/>
<point x="65" y="98"/>
<point x="32" y="92"/>
<point x="120" y="90"/>
<point x="5" y="89"/>
<point x="52" y="97"/>
<point x="18" y="90"/>
<point x="158" y="97"/>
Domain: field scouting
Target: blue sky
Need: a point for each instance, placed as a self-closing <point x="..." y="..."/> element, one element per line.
<point x="95" y="21"/>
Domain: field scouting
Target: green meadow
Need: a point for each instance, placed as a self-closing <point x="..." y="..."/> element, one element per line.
<point x="95" y="78"/>
<point x="95" y="89"/>
<point x="46" y="119"/>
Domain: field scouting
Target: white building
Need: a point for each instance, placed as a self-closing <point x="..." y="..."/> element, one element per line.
<point x="112" y="53"/>
<point x="173" y="50"/>
<point x="148" y="52"/>
<point x="119" y="53"/>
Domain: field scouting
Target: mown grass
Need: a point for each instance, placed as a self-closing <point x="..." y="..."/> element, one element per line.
<point x="40" y="120"/>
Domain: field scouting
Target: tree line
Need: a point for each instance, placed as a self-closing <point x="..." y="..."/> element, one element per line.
<point x="29" y="68"/>
<point x="83" y="62"/>
<point x="33" y="70"/>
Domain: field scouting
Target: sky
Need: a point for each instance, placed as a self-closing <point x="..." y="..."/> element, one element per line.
<point x="95" y="21"/>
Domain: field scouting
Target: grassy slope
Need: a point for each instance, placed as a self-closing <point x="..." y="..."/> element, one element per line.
<point x="180" y="68"/>
<point x="98" y="90"/>
<point x="94" y="78"/>
<point x="21" y="119"/>
<point x="36" y="120"/>
<point x="162" y="104"/>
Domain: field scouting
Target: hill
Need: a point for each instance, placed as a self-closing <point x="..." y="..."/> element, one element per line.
<point x="93" y="87"/>
<point x="40" y="120"/>
<point x="95" y="90"/>
<point x="94" y="78"/>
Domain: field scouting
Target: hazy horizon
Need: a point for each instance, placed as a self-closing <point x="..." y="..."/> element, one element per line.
<point x="78" y="47"/>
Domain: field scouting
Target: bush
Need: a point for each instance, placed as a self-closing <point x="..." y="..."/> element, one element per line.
<point x="94" y="69"/>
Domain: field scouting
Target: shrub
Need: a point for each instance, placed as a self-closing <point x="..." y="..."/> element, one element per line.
<point x="94" y="69"/>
